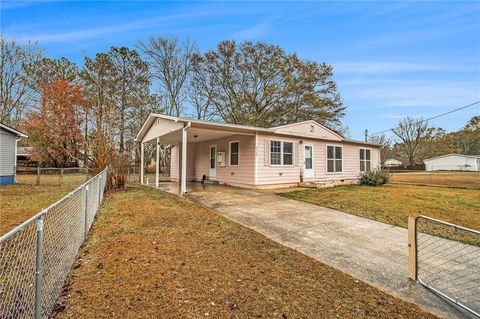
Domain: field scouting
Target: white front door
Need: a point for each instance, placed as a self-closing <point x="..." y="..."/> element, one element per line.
<point x="213" y="161"/>
<point x="308" y="161"/>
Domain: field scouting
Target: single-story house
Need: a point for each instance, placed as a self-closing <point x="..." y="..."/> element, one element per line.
<point x="256" y="157"/>
<point x="8" y="153"/>
<point x="392" y="163"/>
<point x="453" y="162"/>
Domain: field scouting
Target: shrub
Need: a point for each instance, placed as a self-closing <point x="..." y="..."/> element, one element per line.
<point x="374" y="178"/>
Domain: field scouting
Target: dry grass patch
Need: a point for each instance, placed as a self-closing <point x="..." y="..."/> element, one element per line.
<point x="19" y="202"/>
<point x="393" y="203"/>
<point x="153" y="255"/>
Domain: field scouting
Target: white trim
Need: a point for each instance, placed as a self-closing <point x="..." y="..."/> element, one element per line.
<point x="334" y="159"/>
<point x="209" y="161"/>
<point x="235" y="128"/>
<point x="313" y="161"/>
<point x="230" y="153"/>
<point x="365" y="159"/>
<point x="281" y="153"/>
<point x="12" y="130"/>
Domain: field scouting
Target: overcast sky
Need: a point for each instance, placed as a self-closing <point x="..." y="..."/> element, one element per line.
<point x="390" y="59"/>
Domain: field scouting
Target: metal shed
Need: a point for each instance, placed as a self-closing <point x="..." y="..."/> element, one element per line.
<point x="8" y="153"/>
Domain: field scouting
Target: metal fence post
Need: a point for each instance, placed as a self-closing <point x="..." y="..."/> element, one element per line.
<point x="61" y="176"/>
<point x="86" y="173"/>
<point x="86" y="211"/>
<point x="37" y="182"/>
<point x="38" y="269"/>
<point x="412" y="247"/>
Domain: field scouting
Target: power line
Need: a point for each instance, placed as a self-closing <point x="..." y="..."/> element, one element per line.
<point x="434" y="117"/>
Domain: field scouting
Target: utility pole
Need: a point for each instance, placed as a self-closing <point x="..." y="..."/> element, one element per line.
<point x="366" y="135"/>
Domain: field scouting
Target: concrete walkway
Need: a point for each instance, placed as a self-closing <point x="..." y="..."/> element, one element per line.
<point x="371" y="251"/>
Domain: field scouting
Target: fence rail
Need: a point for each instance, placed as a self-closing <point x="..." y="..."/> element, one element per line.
<point x="51" y="175"/>
<point x="445" y="258"/>
<point x="36" y="256"/>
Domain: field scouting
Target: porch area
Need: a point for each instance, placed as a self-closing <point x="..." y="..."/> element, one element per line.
<point x="198" y="150"/>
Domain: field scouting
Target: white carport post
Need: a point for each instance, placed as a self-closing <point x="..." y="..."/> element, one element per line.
<point x="183" y="184"/>
<point x="157" y="163"/>
<point x="142" y="159"/>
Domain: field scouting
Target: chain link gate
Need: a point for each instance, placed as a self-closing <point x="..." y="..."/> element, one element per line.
<point x="36" y="256"/>
<point x="445" y="258"/>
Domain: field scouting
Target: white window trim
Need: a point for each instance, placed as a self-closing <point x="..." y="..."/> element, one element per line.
<point x="230" y="153"/>
<point x="334" y="159"/>
<point x="365" y="160"/>
<point x="281" y="153"/>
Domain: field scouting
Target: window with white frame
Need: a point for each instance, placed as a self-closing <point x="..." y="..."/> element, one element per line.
<point x="365" y="160"/>
<point x="334" y="159"/>
<point x="275" y="153"/>
<point x="281" y="153"/>
<point x="287" y="153"/>
<point x="234" y="153"/>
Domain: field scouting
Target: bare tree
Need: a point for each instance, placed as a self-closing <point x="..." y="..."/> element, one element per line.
<point x="259" y="84"/>
<point x="16" y="95"/>
<point x="171" y="64"/>
<point x="410" y="131"/>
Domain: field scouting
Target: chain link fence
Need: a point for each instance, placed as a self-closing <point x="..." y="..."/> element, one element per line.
<point x="448" y="261"/>
<point x="51" y="175"/>
<point x="36" y="256"/>
<point x="453" y="178"/>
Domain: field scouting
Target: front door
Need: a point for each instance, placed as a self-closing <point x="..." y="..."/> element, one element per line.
<point x="213" y="161"/>
<point x="308" y="161"/>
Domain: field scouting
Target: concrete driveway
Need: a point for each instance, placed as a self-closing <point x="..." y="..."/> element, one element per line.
<point x="371" y="251"/>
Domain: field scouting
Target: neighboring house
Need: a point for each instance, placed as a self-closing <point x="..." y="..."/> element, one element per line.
<point x="24" y="153"/>
<point x="8" y="149"/>
<point x="392" y="163"/>
<point x="255" y="157"/>
<point x="453" y="162"/>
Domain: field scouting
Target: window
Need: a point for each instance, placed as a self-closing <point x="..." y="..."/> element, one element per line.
<point x="334" y="159"/>
<point x="234" y="151"/>
<point x="365" y="160"/>
<point x="287" y="153"/>
<point x="275" y="153"/>
<point x="281" y="153"/>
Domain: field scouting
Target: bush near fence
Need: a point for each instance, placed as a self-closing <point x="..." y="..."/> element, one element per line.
<point x="36" y="256"/>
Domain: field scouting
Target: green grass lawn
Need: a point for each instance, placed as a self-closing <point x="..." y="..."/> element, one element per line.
<point x="393" y="203"/>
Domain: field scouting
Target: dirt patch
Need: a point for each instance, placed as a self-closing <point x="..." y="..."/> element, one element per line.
<point x="153" y="255"/>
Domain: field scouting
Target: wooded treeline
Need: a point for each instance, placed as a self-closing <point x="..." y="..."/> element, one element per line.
<point x="414" y="140"/>
<point x="91" y="113"/>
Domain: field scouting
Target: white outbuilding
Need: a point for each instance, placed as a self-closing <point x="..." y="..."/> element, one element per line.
<point x="8" y="153"/>
<point x="453" y="162"/>
<point x="392" y="163"/>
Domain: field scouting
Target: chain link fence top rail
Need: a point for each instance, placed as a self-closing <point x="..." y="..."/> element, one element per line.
<point x="448" y="261"/>
<point x="36" y="256"/>
<point x="51" y="175"/>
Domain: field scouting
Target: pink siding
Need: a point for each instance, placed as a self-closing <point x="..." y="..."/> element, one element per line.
<point x="305" y="129"/>
<point x="271" y="175"/>
<point x="241" y="175"/>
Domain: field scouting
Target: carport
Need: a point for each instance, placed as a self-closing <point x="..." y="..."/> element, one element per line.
<point x="169" y="130"/>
